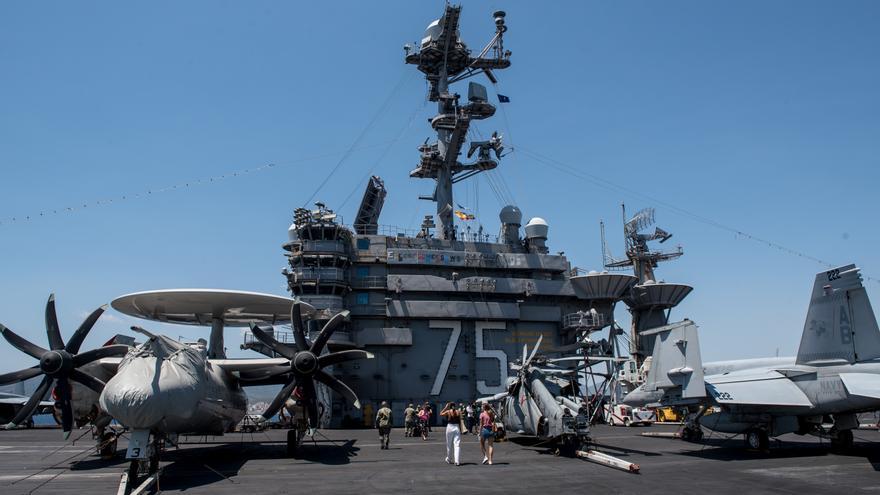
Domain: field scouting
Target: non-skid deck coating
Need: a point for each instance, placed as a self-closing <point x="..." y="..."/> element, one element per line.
<point x="350" y="461"/>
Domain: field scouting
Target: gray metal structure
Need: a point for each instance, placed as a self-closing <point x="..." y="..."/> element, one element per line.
<point x="835" y="376"/>
<point x="650" y="301"/>
<point x="443" y="310"/>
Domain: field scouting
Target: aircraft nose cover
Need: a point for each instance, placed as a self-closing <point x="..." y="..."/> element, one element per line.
<point x="139" y="398"/>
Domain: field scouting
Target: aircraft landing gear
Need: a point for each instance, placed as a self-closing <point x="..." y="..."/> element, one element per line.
<point x="758" y="439"/>
<point x="143" y="471"/>
<point x="842" y="440"/>
<point x="107" y="445"/>
<point x="691" y="433"/>
<point x="294" y="441"/>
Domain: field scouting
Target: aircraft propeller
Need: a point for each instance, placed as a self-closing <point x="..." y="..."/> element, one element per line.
<point x="58" y="364"/>
<point x="307" y="363"/>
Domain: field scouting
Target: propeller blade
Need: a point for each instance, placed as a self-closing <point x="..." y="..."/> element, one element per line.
<point x="20" y="375"/>
<point x="99" y="353"/>
<point x="311" y="397"/>
<point x="342" y="356"/>
<point x="87" y="380"/>
<point x="525" y="353"/>
<point x="25" y="412"/>
<point x="279" y="400"/>
<point x="299" y="334"/>
<point x="55" y="341"/>
<point x="22" y="344"/>
<point x="327" y="332"/>
<point x="270" y="342"/>
<point x="76" y="340"/>
<point x="62" y="391"/>
<point x="339" y="387"/>
<point x="535" y="350"/>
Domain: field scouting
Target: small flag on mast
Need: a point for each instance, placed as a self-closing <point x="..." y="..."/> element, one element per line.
<point x="503" y="99"/>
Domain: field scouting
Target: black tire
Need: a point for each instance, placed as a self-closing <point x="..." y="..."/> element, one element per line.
<point x="108" y="446"/>
<point x="757" y="439"/>
<point x="686" y="434"/>
<point x="134" y="469"/>
<point x="697" y="435"/>
<point x="292" y="443"/>
<point x="843" y="440"/>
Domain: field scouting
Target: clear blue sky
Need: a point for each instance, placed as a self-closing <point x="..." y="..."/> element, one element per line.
<point x="764" y="116"/>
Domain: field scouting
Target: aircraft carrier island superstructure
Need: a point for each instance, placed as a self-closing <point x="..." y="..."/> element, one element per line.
<point x="443" y="309"/>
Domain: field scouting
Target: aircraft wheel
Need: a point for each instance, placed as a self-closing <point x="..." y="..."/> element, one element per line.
<point x="843" y="441"/>
<point x="757" y="439"/>
<point x="292" y="442"/>
<point x="626" y="421"/>
<point x="697" y="435"/>
<point x="108" y="446"/>
<point x="134" y="475"/>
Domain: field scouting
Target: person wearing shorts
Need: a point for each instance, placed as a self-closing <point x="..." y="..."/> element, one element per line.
<point x="487" y="433"/>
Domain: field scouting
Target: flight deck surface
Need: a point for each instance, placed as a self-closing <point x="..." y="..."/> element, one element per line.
<point x="350" y="461"/>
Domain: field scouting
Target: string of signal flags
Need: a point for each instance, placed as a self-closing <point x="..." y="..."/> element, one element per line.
<point x="214" y="179"/>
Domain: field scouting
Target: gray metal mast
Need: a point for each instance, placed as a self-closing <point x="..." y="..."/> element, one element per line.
<point x="650" y="300"/>
<point x="445" y="59"/>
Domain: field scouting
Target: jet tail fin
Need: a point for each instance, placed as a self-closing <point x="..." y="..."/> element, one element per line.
<point x="840" y="324"/>
<point x="676" y="364"/>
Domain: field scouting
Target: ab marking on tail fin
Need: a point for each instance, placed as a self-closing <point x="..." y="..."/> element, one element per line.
<point x="840" y="323"/>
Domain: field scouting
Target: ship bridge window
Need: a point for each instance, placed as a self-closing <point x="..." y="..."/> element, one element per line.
<point x="363" y="243"/>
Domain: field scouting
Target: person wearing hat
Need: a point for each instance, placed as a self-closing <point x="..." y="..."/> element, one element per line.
<point x="383" y="423"/>
<point x="409" y="420"/>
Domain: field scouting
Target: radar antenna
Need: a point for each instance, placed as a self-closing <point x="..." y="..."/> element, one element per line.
<point x="445" y="59"/>
<point x="638" y="253"/>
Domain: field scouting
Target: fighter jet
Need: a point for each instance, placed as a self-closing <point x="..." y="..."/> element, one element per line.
<point x="835" y="375"/>
<point x="11" y="404"/>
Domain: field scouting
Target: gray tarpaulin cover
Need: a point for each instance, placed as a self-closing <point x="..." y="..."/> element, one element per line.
<point x="156" y="379"/>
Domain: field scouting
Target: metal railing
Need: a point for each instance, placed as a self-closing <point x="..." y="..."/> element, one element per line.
<point x="583" y="319"/>
<point x="318" y="274"/>
<point x="370" y="282"/>
<point x="305" y="246"/>
<point x="368" y="309"/>
<point x="286" y="337"/>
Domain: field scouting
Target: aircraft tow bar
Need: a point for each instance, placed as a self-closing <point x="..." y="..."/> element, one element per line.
<point x="148" y="483"/>
<point x="607" y="460"/>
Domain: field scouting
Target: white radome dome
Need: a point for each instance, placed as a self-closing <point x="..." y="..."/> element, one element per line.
<point x="537" y="228"/>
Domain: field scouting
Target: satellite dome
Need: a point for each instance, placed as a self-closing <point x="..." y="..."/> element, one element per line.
<point x="291" y="233"/>
<point x="537" y="228"/>
<point x="510" y="214"/>
<point x="593" y="272"/>
<point x="649" y="282"/>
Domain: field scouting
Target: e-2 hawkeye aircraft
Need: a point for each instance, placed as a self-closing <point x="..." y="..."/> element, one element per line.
<point x="164" y="388"/>
<point x="835" y="376"/>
